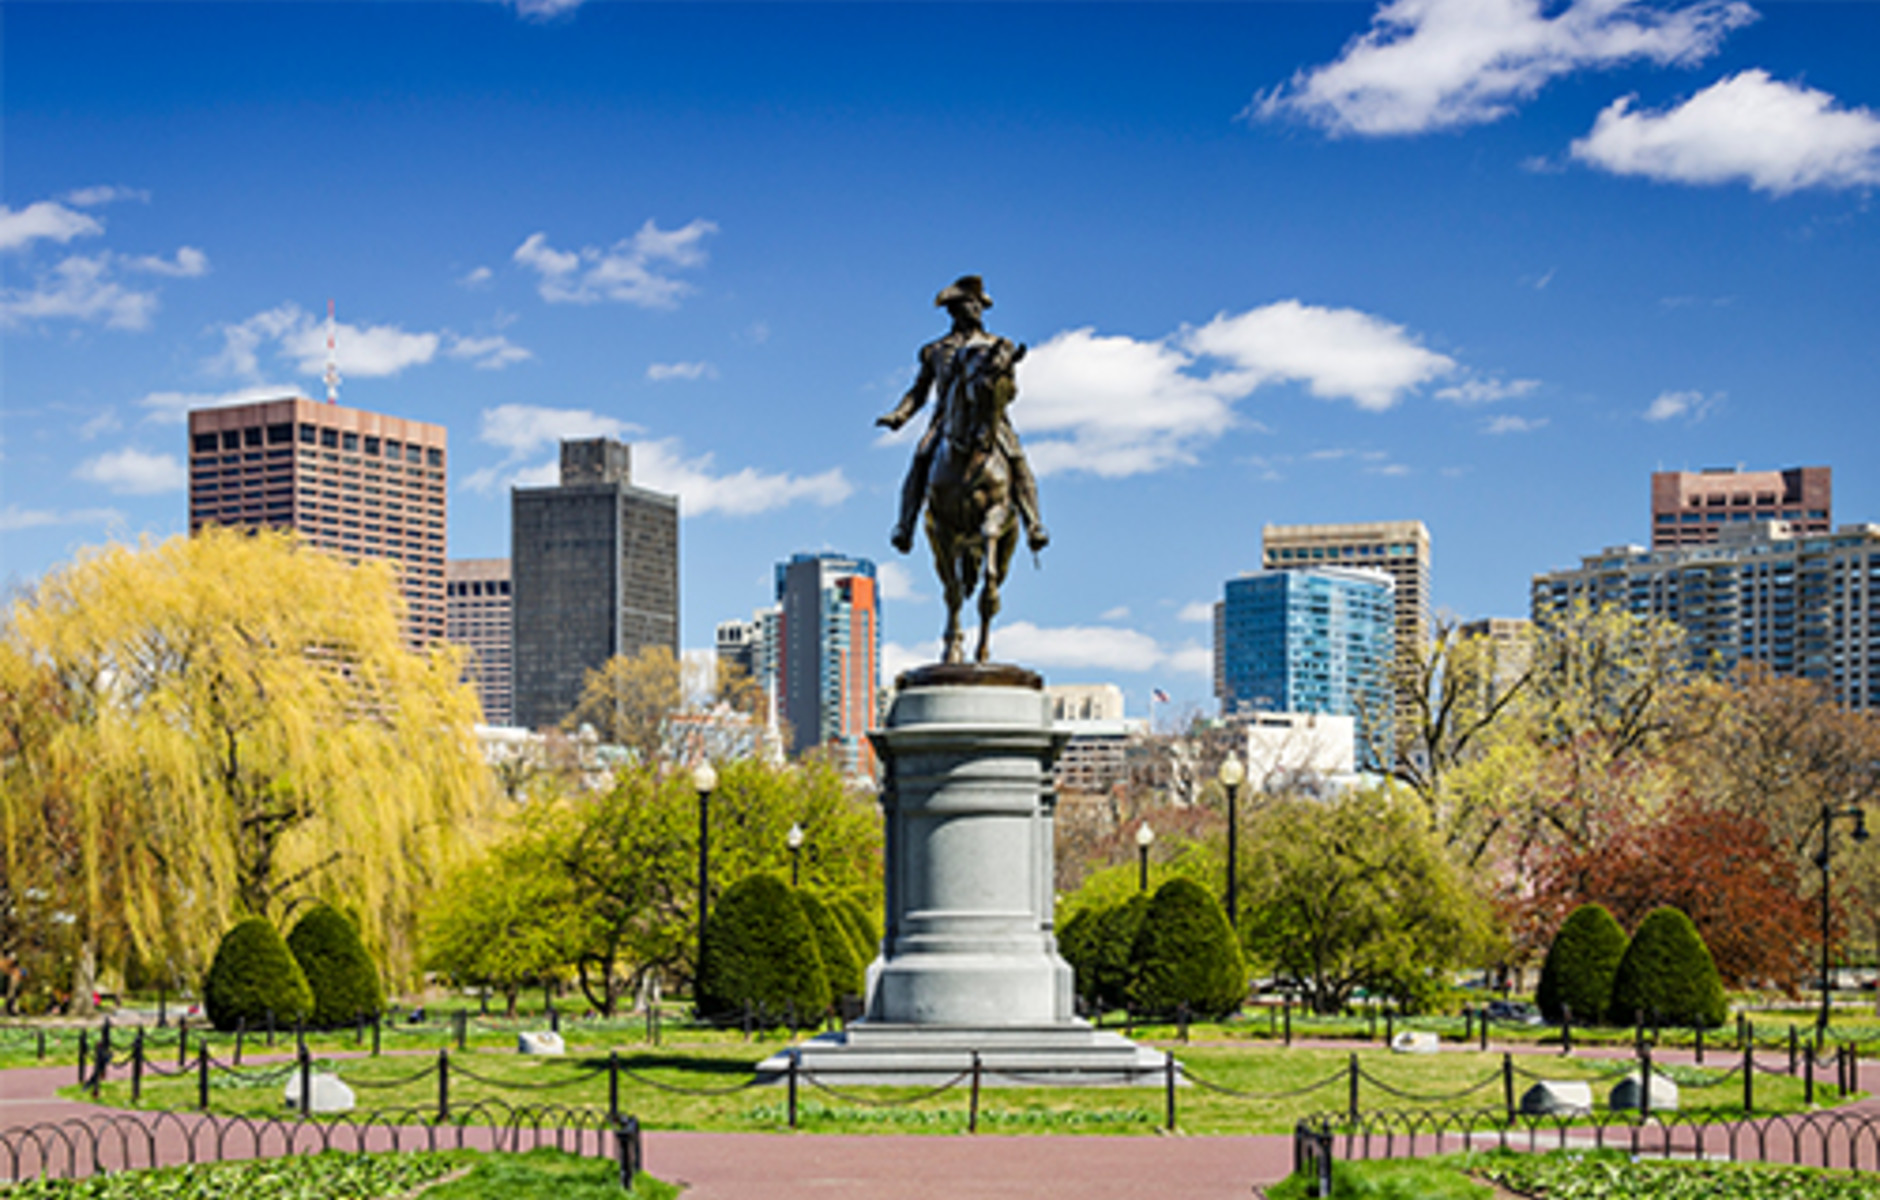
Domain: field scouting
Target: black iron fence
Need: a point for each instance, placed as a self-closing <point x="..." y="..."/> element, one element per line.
<point x="109" y="1142"/>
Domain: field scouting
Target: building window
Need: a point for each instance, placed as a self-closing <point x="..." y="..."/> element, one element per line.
<point x="329" y="438"/>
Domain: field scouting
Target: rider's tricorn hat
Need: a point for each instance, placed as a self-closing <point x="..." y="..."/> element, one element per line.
<point x="966" y="287"/>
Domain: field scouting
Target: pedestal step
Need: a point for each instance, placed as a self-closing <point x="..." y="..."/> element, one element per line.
<point x="1068" y="1055"/>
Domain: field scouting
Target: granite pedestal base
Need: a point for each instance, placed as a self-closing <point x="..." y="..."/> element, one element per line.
<point x="969" y="961"/>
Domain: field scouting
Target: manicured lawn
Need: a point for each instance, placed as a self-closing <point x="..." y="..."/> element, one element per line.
<point x="1279" y="1085"/>
<point x="1606" y="1175"/>
<point x="464" y="1175"/>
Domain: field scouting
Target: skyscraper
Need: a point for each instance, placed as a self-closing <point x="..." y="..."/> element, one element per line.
<point x="1313" y="641"/>
<point x="357" y="483"/>
<point x="1401" y="549"/>
<point x="478" y="614"/>
<point x="1692" y="508"/>
<point x="828" y="637"/>
<point x="595" y="565"/>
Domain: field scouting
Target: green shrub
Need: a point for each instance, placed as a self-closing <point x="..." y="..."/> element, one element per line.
<point x="761" y="950"/>
<point x="1185" y="953"/>
<point x="1667" y="974"/>
<point x="344" y="981"/>
<point x="864" y="934"/>
<point x="1076" y="944"/>
<point x="1107" y="960"/>
<point x="1580" y="966"/>
<point x="253" y="975"/>
<point x="840" y="964"/>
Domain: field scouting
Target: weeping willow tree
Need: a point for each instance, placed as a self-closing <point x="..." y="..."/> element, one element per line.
<point x="223" y="725"/>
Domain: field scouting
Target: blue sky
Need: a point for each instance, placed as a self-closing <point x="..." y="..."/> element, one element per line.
<point x="1483" y="263"/>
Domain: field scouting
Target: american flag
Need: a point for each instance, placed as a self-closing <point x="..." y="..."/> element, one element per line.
<point x="1159" y="696"/>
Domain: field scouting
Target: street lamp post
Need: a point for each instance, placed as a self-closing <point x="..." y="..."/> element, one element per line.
<point x="704" y="781"/>
<point x="1145" y="838"/>
<point x="794" y="840"/>
<point x="1829" y="814"/>
<point x="1231" y="775"/>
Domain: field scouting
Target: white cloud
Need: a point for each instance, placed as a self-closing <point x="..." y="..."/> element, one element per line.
<point x="1509" y="423"/>
<point x="298" y="337"/>
<point x="189" y="263"/>
<point x="1692" y="404"/>
<point x="491" y="353"/>
<point x="1389" y="470"/>
<point x="1486" y="390"/>
<point x="173" y="408"/>
<point x="1776" y="137"/>
<point x="1442" y="64"/>
<point x="44" y="220"/>
<point x="133" y="472"/>
<point x="78" y="289"/>
<point x="525" y="429"/>
<point x="92" y="197"/>
<point x="1200" y="612"/>
<point x="634" y="270"/>
<point x="543" y="10"/>
<point x="688" y="371"/>
<point x="1118" y="406"/>
<point x="1119" y="613"/>
<point x="105" y="422"/>
<point x="14" y="518"/>
<point x="658" y="465"/>
<point x="1069" y="648"/>
<point x="476" y="277"/>
<point x="897" y="582"/>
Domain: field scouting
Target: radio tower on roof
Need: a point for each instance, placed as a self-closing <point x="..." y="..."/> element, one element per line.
<point x="332" y="359"/>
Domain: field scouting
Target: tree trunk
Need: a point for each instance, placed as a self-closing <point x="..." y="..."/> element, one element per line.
<point x="85" y="980"/>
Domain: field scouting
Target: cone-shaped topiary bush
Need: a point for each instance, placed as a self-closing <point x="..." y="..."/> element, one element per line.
<point x="1580" y="966"/>
<point x="864" y="935"/>
<point x="254" y="974"/>
<point x="1112" y="970"/>
<point x="344" y="980"/>
<point x="1186" y="953"/>
<point x="840" y="965"/>
<point x="761" y="950"/>
<point x="1076" y="944"/>
<point x="1667" y="974"/>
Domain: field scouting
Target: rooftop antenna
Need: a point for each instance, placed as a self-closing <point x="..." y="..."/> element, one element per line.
<point x="332" y="358"/>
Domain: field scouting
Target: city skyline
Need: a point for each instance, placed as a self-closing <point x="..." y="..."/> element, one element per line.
<point x="1276" y="264"/>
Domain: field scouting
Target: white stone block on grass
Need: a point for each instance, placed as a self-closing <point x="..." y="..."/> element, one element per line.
<point x="1415" y="1041"/>
<point x="546" y="1042"/>
<point x="330" y="1093"/>
<point x="1625" y="1093"/>
<point x="1558" y="1098"/>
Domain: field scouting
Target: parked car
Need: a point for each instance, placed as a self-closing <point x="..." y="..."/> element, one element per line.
<point x="1513" y="1011"/>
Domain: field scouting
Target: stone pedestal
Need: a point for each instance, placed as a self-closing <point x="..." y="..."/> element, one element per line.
<point x="969" y="963"/>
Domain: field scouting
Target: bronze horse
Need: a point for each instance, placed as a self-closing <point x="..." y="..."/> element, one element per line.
<point x="972" y="522"/>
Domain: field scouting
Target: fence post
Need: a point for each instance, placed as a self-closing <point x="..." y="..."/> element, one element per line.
<point x="1169" y="1069"/>
<point x="1700" y="1043"/>
<point x="554" y="1018"/>
<point x="84" y="1054"/>
<point x="42" y="1045"/>
<point x="182" y="1041"/>
<point x="377" y="1018"/>
<point x="241" y="1031"/>
<point x="1566" y="1029"/>
<point x="1181" y="1016"/>
<point x="300" y="1036"/>
<point x="103" y="1058"/>
<point x="443" y="1086"/>
<point x="1370" y="1010"/>
<point x="137" y="1068"/>
<point x="1468" y="1023"/>
<point x="202" y="1075"/>
<point x="1808" y="1074"/>
<point x="972" y="1104"/>
<point x="1482" y="1027"/>
<point x="613" y="1085"/>
<point x="1507" y="1083"/>
<point x="1286" y="1002"/>
<point x="1390" y="1026"/>
<point x="1645" y="1081"/>
<point x="1351" y="1104"/>
<point x="796" y="1061"/>
<point x="627" y="1148"/>
<point x="1749" y="1077"/>
<point x="306" y="1082"/>
<point x="463" y="1026"/>
<point x="270" y="1029"/>
<point x="1792" y="1049"/>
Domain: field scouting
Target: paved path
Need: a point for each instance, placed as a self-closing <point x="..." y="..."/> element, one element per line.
<point x="787" y="1166"/>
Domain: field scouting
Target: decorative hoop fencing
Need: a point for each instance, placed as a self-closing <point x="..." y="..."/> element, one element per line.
<point x="109" y="1142"/>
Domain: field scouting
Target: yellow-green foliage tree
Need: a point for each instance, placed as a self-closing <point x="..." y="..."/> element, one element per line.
<point x="629" y="698"/>
<point x="228" y="724"/>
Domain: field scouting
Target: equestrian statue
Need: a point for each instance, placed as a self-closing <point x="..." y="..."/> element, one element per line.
<point x="968" y="471"/>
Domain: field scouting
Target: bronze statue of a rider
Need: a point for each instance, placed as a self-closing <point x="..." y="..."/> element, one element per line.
<point x="965" y="300"/>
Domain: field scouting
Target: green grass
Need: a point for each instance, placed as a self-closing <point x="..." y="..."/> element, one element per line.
<point x="466" y="1174"/>
<point x="1604" y="1175"/>
<point x="1290" y="1083"/>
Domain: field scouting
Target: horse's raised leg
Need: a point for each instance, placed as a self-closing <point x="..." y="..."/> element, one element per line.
<point x="988" y="600"/>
